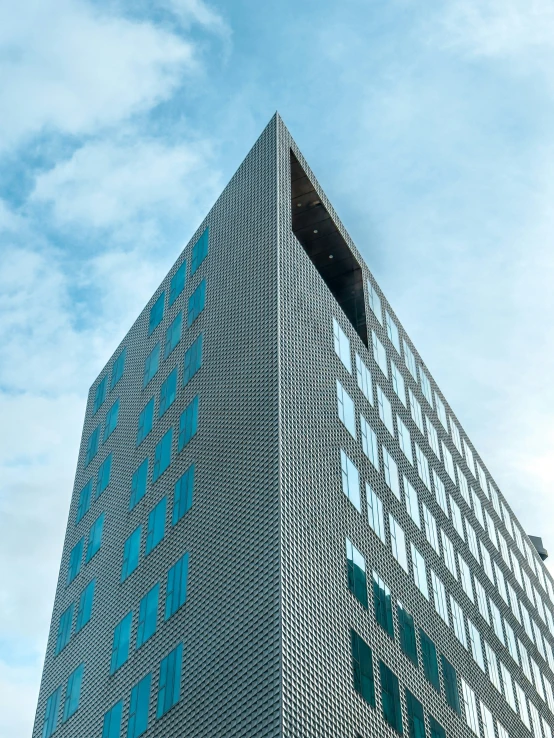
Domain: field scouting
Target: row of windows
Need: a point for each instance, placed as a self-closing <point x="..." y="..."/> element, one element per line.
<point x="70" y="703"/>
<point x="117" y="373"/>
<point x="84" y="612"/>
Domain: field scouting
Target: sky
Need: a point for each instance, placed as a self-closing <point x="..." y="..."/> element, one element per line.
<point x="429" y="126"/>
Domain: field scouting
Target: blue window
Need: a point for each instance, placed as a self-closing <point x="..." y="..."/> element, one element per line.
<point x="148" y="615"/>
<point x="145" y="422"/>
<point x="104" y="473"/>
<point x="450" y="685"/>
<point x="131" y="553"/>
<point x="120" y="644"/>
<point x="94" y="538"/>
<point x="429" y="658"/>
<point x="193" y="360"/>
<point x="111" y="419"/>
<point x="151" y="364"/>
<point x="85" y="606"/>
<point x="117" y="371"/>
<point x="100" y="395"/>
<point x="92" y="445"/>
<point x="156" y="313"/>
<point x="169" y="686"/>
<point x="182" y="499"/>
<point x="362" y="667"/>
<point x="188" y="423"/>
<point x="111" y="727"/>
<point x="177" y="283"/>
<point x="156" y="525"/>
<point x="51" y="714"/>
<point x="162" y="456"/>
<point x="199" y="252"/>
<point x="138" y="709"/>
<point x="173" y="334"/>
<point x="138" y="484"/>
<point x="167" y="392"/>
<point x="176" y="593"/>
<point x="72" y="693"/>
<point x="75" y="560"/>
<point x="64" y="629"/>
<point x="196" y="303"/>
<point x="416" y="719"/>
<point x="390" y="697"/>
<point x="84" y="501"/>
<point x="406" y="630"/>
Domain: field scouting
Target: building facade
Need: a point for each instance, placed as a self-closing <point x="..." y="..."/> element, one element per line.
<point x="278" y="525"/>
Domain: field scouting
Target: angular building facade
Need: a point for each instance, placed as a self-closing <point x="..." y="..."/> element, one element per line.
<point x="279" y="527"/>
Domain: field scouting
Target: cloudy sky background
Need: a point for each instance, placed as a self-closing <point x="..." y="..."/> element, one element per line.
<point x="429" y="126"/>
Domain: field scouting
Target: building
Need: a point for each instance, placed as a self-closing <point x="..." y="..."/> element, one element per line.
<point x="278" y="526"/>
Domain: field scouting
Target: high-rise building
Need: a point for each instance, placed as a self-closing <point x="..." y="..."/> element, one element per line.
<point x="279" y="527"/>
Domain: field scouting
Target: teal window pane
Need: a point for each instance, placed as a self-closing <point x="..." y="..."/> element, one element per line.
<point x="118" y="367"/>
<point x="92" y="445"/>
<point x="176" y="589"/>
<point x="138" y="484"/>
<point x="416" y="719"/>
<point x="85" y="606"/>
<point x="170" y="681"/>
<point x="156" y="525"/>
<point x="131" y="552"/>
<point x="95" y="538"/>
<point x="162" y="455"/>
<point x="383" y="605"/>
<point x="99" y="395"/>
<point x="145" y="421"/>
<point x="355" y="565"/>
<point x="138" y="708"/>
<point x="111" y="419"/>
<point x="437" y="731"/>
<point x="64" y="629"/>
<point x="75" y="558"/>
<point x="51" y="714"/>
<point x="390" y="697"/>
<point x="156" y="313"/>
<point x="196" y="303"/>
<point x="148" y="615"/>
<point x="84" y="501"/>
<point x="151" y="365"/>
<point x="188" y="423"/>
<point x="72" y="693"/>
<point x="177" y="283"/>
<point x="199" y="251"/>
<point x="406" y="629"/>
<point x="104" y="473"/>
<point x="193" y="360"/>
<point x="173" y="334"/>
<point x="120" y="644"/>
<point x="182" y="496"/>
<point x="362" y="665"/>
<point x="450" y="685"/>
<point x="167" y="392"/>
<point x="111" y="727"/>
<point x="429" y="657"/>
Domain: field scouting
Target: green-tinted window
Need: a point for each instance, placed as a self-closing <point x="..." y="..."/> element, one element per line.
<point x="182" y="499"/>
<point x="188" y="423"/>
<point x="382" y="604"/>
<point x="390" y="696"/>
<point x="429" y="656"/>
<point x="118" y="367"/>
<point x="199" y="251"/>
<point x="169" y="685"/>
<point x="85" y="606"/>
<point x="176" y="588"/>
<point x="416" y="720"/>
<point x="355" y="565"/>
<point x="99" y="395"/>
<point x="145" y="421"/>
<point x="120" y="644"/>
<point x="111" y="727"/>
<point x="362" y="665"/>
<point x="167" y="392"/>
<point x="104" y="474"/>
<point x="138" y="708"/>
<point x="437" y="731"/>
<point x="75" y="558"/>
<point x="450" y="685"/>
<point x="148" y="615"/>
<point x="151" y="365"/>
<point x="406" y="630"/>
<point x="173" y="334"/>
<point x="92" y="445"/>
<point x="177" y="283"/>
<point x="193" y="360"/>
<point x="72" y="693"/>
<point x="156" y="525"/>
<point x="131" y="552"/>
<point x="84" y="501"/>
<point x="138" y="484"/>
<point x="51" y="714"/>
<point x="156" y="313"/>
<point x="162" y="455"/>
<point x="64" y="629"/>
<point x="197" y="302"/>
<point x="111" y="420"/>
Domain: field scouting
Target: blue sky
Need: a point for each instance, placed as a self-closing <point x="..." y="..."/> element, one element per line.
<point x="429" y="126"/>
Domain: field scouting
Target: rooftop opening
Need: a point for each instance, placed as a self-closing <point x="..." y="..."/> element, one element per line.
<point x="322" y="241"/>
